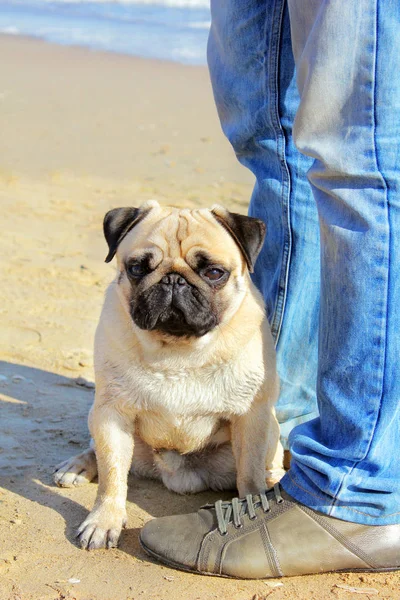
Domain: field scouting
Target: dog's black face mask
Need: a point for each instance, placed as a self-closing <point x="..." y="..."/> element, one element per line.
<point x="175" y="307"/>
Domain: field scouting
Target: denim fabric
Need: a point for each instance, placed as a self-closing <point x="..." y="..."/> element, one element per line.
<point x="346" y="126"/>
<point x="252" y="70"/>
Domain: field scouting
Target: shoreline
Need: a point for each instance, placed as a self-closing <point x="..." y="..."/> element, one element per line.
<point x="89" y="49"/>
<point x="161" y="29"/>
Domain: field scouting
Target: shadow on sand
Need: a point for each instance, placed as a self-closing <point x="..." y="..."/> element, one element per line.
<point x="43" y="421"/>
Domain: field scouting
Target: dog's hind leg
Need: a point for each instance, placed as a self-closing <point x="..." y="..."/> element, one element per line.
<point x="81" y="469"/>
<point x="178" y="474"/>
<point x="143" y="464"/>
<point x="211" y="468"/>
<point x="218" y="468"/>
<point x="78" y="470"/>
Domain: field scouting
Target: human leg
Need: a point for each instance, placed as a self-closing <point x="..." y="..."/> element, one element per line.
<point x="348" y="58"/>
<point x="252" y="71"/>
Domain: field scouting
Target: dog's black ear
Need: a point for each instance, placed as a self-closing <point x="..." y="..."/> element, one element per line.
<point x="248" y="233"/>
<point x="117" y="223"/>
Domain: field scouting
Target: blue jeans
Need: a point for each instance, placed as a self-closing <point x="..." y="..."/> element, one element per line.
<point x="308" y="93"/>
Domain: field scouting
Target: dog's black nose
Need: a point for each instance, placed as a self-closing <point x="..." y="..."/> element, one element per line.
<point x="173" y="279"/>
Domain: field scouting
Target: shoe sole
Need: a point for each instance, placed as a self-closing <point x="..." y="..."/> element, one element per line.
<point x="179" y="567"/>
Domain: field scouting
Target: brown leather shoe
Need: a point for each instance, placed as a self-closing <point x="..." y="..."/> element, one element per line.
<point x="270" y="535"/>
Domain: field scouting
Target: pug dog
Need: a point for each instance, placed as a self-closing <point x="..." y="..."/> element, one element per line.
<point x="185" y="369"/>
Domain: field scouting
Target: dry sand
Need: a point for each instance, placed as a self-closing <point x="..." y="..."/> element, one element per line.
<point x="82" y="132"/>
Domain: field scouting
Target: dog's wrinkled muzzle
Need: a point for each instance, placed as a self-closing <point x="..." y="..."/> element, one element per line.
<point x="175" y="307"/>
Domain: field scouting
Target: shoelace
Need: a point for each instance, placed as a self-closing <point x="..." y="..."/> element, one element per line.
<point x="232" y="511"/>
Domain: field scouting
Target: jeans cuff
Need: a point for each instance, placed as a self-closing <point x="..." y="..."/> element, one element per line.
<point x="295" y="486"/>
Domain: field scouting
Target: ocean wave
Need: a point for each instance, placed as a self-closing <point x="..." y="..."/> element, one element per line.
<point x="10" y="30"/>
<point x="175" y="3"/>
<point x="199" y="25"/>
<point x="170" y="31"/>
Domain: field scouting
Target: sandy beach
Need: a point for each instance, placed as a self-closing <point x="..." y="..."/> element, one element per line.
<point x="82" y="132"/>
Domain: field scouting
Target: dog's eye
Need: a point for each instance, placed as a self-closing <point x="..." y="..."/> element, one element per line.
<point x="214" y="274"/>
<point x="136" y="270"/>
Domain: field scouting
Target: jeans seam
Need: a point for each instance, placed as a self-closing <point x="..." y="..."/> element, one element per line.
<point x="337" y="502"/>
<point x="277" y="317"/>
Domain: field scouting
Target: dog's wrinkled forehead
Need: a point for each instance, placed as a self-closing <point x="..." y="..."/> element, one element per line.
<point x="171" y="233"/>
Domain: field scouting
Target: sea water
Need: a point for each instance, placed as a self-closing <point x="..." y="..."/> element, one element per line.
<point x="174" y="30"/>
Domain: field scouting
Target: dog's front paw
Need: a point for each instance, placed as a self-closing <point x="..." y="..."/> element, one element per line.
<point x="273" y="476"/>
<point x="78" y="470"/>
<point x="101" y="528"/>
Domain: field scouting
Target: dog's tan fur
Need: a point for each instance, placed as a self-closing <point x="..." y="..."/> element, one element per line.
<point x="183" y="403"/>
